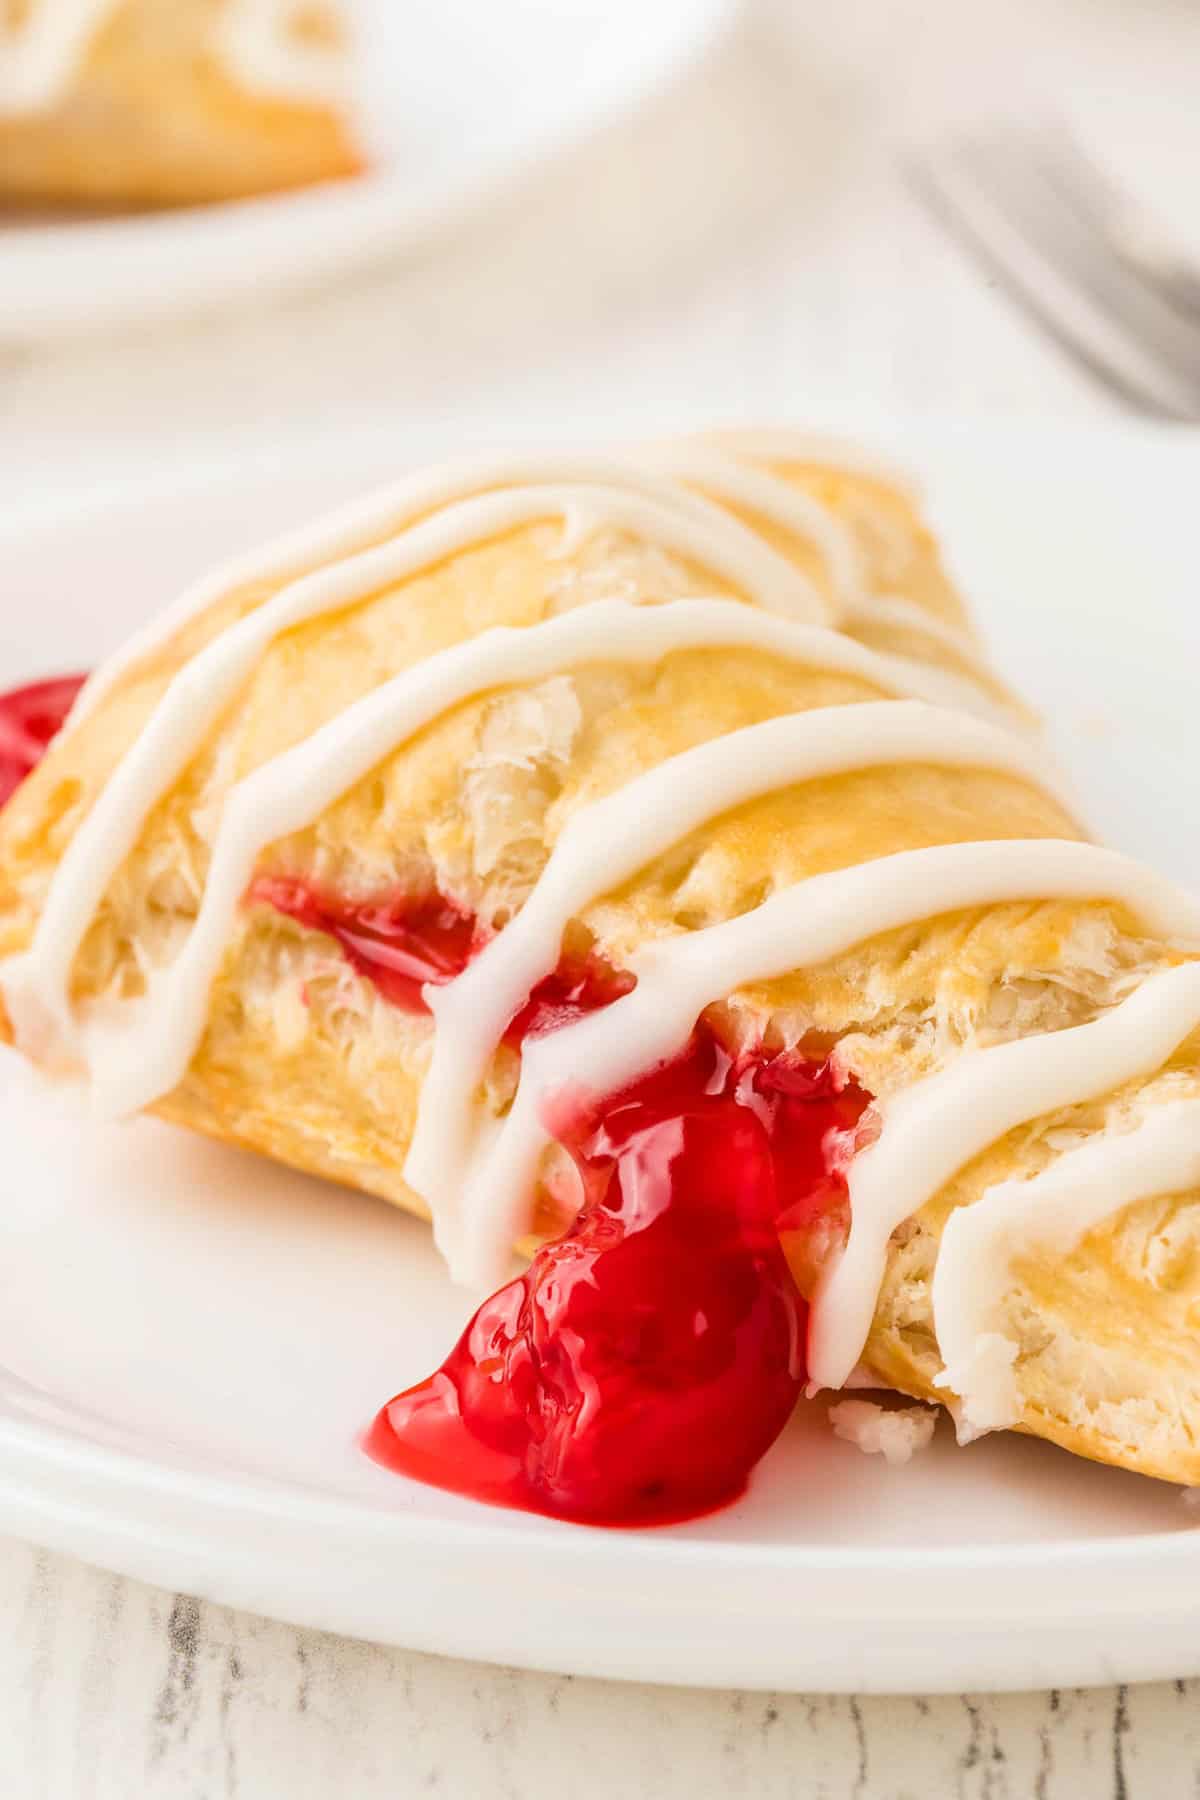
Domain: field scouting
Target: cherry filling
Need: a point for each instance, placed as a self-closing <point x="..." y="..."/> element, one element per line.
<point x="29" y="718"/>
<point x="398" y="945"/>
<point x="646" y="1360"/>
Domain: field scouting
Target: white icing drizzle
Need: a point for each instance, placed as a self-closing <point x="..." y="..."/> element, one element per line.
<point x="36" y="985"/>
<point x="934" y="1128"/>
<point x="893" y="609"/>
<point x="745" y="484"/>
<point x="606" y="843"/>
<point x="799" y="927"/>
<point x="479" y="1173"/>
<point x="729" y="479"/>
<point x="388" y="510"/>
<point x="1048" y="1214"/>
<point x="824" y="449"/>
<point x="39" y="62"/>
<point x="257" y="42"/>
<point x="145" y="1056"/>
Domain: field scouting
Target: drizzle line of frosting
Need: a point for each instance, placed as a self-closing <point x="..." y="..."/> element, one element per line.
<point x="934" y="1128"/>
<point x="134" y="1066"/>
<point x="729" y="480"/>
<point x="744" y="484"/>
<point x="799" y="927"/>
<point x="1053" y="1212"/>
<point x="396" y="506"/>
<point x="607" y="842"/>
<point x="254" y="39"/>
<point x="39" y="61"/>
<point x="200" y="690"/>
<point x="823" y="449"/>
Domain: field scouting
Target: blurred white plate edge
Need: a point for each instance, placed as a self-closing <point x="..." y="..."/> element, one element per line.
<point x="581" y="68"/>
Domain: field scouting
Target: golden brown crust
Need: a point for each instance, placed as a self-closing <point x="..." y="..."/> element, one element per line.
<point x="1109" y="1332"/>
<point x="303" y="1060"/>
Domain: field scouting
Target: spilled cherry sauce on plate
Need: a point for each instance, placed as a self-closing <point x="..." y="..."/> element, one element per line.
<point x="646" y="1360"/>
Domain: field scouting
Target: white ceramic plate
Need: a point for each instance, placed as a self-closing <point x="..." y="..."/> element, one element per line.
<point x="190" y="1339"/>
<point x="458" y="97"/>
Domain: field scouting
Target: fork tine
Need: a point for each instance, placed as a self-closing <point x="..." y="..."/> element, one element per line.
<point x="983" y="215"/>
<point x="1014" y="172"/>
<point x="1130" y="235"/>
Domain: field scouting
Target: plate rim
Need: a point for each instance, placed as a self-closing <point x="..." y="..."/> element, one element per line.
<point x="252" y="249"/>
<point x="236" y="1489"/>
<point x="876" y="1621"/>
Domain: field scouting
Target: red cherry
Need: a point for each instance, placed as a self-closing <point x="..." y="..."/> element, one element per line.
<point x="29" y="718"/>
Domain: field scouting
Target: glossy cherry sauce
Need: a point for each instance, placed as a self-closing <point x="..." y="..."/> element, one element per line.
<point x="29" y="718"/>
<point x="399" y="946"/>
<point x="402" y="945"/>
<point x="644" y="1362"/>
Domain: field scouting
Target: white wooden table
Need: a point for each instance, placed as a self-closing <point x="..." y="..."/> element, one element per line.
<point x="109" y="1690"/>
<point x="746" y="250"/>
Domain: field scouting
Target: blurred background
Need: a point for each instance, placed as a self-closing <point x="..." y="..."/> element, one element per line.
<point x="589" y="218"/>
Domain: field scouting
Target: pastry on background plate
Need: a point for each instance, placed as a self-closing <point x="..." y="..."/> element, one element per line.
<point x="635" y="859"/>
<point x="116" y="103"/>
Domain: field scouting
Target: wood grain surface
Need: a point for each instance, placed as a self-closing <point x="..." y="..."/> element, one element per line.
<point x="111" y="1690"/>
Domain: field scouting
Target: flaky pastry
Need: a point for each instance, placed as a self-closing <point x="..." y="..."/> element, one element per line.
<point x="701" y="734"/>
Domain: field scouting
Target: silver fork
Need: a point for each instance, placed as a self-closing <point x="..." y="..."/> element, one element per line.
<point x="1078" y="253"/>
